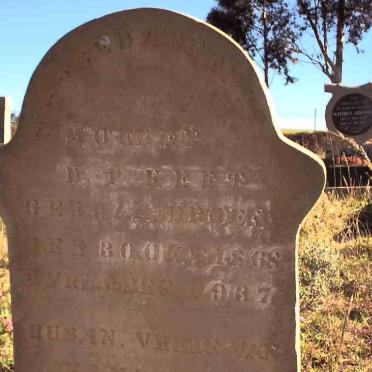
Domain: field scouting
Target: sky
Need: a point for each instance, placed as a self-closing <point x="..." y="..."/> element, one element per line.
<point x="28" y="28"/>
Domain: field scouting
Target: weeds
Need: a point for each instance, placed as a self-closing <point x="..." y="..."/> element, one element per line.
<point x="335" y="282"/>
<point x="6" y="326"/>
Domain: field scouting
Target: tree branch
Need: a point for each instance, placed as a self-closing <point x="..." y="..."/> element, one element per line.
<point x="313" y="26"/>
<point x="314" y="61"/>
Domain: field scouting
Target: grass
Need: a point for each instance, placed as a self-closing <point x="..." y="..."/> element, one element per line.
<point x="6" y="328"/>
<point x="335" y="283"/>
<point x="287" y="132"/>
<point x="335" y="288"/>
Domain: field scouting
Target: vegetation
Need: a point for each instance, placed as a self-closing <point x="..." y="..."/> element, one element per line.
<point x="335" y="249"/>
<point x="6" y="327"/>
<point x="332" y="23"/>
<point x="265" y="29"/>
<point x="271" y="31"/>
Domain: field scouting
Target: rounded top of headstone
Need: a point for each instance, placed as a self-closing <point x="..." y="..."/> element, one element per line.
<point x="124" y="49"/>
<point x="146" y="69"/>
<point x="150" y="69"/>
<point x="350" y="111"/>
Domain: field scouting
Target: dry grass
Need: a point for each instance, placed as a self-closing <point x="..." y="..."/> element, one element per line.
<point x="335" y="281"/>
<point x="6" y="328"/>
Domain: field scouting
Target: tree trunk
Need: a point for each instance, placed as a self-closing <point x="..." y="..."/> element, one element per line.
<point x="325" y="34"/>
<point x="337" y="72"/>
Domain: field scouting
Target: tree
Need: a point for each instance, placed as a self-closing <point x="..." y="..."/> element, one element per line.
<point x="332" y="23"/>
<point x="266" y="29"/>
<point x="14" y="120"/>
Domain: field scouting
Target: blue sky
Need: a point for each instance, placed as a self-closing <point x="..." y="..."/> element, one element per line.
<point x="28" y="28"/>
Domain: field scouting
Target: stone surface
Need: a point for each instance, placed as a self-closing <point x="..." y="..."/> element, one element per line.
<point x="5" y="120"/>
<point x="151" y="206"/>
<point x="350" y="111"/>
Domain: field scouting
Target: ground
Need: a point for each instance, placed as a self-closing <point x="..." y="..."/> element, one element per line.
<point x="335" y="250"/>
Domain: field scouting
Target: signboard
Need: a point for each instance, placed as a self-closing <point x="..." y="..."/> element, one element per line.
<point x="350" y="111"/>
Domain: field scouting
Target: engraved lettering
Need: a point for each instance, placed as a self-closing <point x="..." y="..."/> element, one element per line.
<point x="182" y="179"/>
<point x="165" y="343"/>
<point x="53" y="333"/>
<point x="217" y="216"/>
<point x="199" y="255"/>
<point x="191" y="136"/>
<point x="143" y="339"/>
<point x="218" y="293"/>
<point x="171" y="252"/>
<point x="265" y="293"/>
<point x="128" y="251"/>
<point x="73" y="175"/>
<point x="168" y="139"/>
<point x="33" y="207"/>
<point x="244" y="349"/>
<point x="55" y="246"/>
<point x="269" y="259"/>
<point x="152" y="252"/>
<point x="237" y="257"/>
<point x="35" y="332"/>
<point x="80" y="248"/>
<point x="241" y="293"/>
<point x="74" y="135"/>
<point x="106" y="248"/>
<point x="76" y="208"/>
<point x="153" y="177"/>
<point x="105" y="337"/>
<point x="101" y="136"/>
<point x="55" y="208"/>
<point x="209" y="180"/>
<point x="53" y="279"/>
<point x="114" y="175"/>
<point x="48" y="246"/>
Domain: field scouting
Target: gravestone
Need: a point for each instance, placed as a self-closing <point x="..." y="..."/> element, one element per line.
<point x="350" y="111"/>
<point x="5" y="120"/>
<point x="151" y="206"/>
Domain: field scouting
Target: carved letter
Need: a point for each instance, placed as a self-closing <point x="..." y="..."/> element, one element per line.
<point x="182" y="179"/>
<point x="143" y="339"/>
<point x="209" y="180"/>
<point x="55" y="208"/>
<point x="101" y="136"/>
<point x="106" y="248"/>
<point x="33" y="207"/>
<point x="73" y="175"/>
<point x="114" y="174"/>
<point x="152" y="177"/>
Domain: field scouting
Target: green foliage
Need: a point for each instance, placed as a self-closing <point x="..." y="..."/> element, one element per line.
<point x="332" y="23"/>
<point x="357" y="16"/>
<point x="266" y="29"/>
<point x="272" y="31"/>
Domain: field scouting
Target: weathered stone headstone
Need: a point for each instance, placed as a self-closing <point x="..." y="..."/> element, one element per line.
<point x="350" y="111"/>
<point x="151" y="206"/>
<point x="5" y="120"/>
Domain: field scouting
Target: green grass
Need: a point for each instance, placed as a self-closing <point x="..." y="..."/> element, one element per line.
<point x="335" y="289"/>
